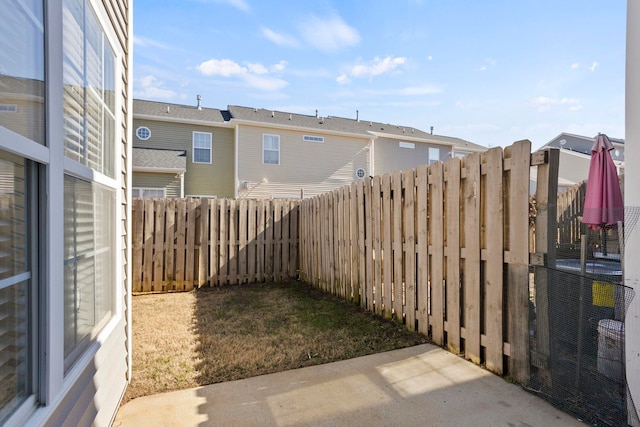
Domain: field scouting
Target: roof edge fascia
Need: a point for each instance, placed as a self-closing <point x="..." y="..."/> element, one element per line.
<point x="299" y="128"/>
<point x="184" y="121"/>
<point x="158" y="170"/>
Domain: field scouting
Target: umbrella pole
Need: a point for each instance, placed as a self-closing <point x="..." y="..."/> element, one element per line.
<point x="604" y="241"/>
<point x="583" y="270"/>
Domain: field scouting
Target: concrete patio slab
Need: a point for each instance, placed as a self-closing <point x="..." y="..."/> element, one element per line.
<point x="418" y="386"/>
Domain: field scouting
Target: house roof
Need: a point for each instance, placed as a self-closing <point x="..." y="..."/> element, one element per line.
<point x="344" y="125"/>
<point x="166" y="111"/>
<point x="579" y="143"/>
<point x="154" y="160"/>
<point x="364" y="128"/>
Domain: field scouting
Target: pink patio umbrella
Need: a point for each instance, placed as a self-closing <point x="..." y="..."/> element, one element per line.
<point x="603" y="205"/>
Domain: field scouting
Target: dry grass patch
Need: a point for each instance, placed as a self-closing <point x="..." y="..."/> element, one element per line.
<point x="211" y="335"/>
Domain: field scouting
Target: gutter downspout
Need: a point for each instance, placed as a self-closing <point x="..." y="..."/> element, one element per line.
<point x="236" y="182"/>
<point x="182" y="185"/>
<point x="372" y="157"/>
<point x="129" y="284"/>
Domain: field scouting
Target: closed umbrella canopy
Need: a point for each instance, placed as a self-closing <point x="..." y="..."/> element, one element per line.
<point x="603" y="205"/>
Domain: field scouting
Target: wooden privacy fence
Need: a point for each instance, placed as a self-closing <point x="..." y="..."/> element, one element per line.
<point x="443" y="249"/>
<point x="179" y="244"/>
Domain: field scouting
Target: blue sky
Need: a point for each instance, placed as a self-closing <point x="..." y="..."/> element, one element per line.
<point x="491" y="72"/>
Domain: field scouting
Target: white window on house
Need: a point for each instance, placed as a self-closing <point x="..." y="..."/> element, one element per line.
<point x="312" y="138"/>
<point x="143" y="133"/>
<point x="89" y="235"/>
<point x="201" y="147"/>
<point x="148" y="193"/>
<point x="8" y="108"/>
<point x="89" y="89"/>
<point x="271" y="149"/>
<point x="22" y="189"/>
<point x="409" y="145"/>
<point x="89" y="70"/>
<point x="434" y="155"/>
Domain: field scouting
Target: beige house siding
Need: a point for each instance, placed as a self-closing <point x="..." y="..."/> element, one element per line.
<point x="169" y="181"/>
<point x="308" y="168"/>
<point x="391" y="157"/>
<point x="201" y="179"/>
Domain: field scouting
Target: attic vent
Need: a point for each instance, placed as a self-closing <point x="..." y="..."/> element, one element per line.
<point x="360" y="173"/>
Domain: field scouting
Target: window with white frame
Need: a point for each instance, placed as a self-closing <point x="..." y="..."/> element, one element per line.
<point x="22" y="58"/>
<point x="434" y="155"/>
<point x="143" y="133"/>
<point x="89" y="70"/>
<point x="148" y="192"/>
<point x="312" y="138"/>
<point x="201" y="147"/>
<point x="270" y="149"/>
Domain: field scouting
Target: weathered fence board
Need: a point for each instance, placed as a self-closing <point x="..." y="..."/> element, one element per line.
<point x="186" y="243"/>
<point x="442" y="249"/>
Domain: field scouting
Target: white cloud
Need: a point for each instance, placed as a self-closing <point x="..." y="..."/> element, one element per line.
<point x="220" y="67"/>
<point x="238" y="4"/>
<point x="406" y="91"/>
<point x="257" y="68"/>
<point x="483" y="68"/>
<point x="147" y="42"/>
<point x="278" y="38"/>
<point x="279" y="67"/>
<point x="149" y="87"/>
<point x="575" y="66"/>
<point x="254" y="74"/>
<point x="544" y="104"/>
<point x="594" y="66"/>
<point x="329" y="34"/>
<point x="377" y="66"/>
<point x="343" y="79"/>
<point x="264" y="83"/>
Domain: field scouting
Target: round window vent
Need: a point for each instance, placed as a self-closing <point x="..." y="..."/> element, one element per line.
<point x="143" y="133"/>
<point x="360" y="173"/>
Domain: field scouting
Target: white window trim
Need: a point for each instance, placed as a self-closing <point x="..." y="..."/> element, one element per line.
<point x="138" y="130"/>
<point x="193" y="147"/>
<point x="313" y="138"/>
<point x="138" y="189"/>
<point x="263" y="148"/>
<point x="409" y="145"/>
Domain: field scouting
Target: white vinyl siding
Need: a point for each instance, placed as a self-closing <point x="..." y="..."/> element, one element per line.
<point x="270" y="149"/>
<point x="202" y="147"/>
<point x="305" y="169"/>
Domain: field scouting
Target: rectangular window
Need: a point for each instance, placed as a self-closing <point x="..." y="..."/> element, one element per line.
<point x="148" y="193"/>
<point x="201" y="147"/>
<point x="410" y="145"/>
<point x="16" y="293"/>
<point x="89" y="112"/>
<point x="89" y="233"/>
<point x="89" y="85"/>
<point x="22" y="93"/>
<point x="271" y="149"/>
<point x="8" y="108"/>
<point x="311" y="138"/>
<point x="434" y="155"/>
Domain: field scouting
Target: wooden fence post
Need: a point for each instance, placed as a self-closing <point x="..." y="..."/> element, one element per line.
<point x="544" y="257"/>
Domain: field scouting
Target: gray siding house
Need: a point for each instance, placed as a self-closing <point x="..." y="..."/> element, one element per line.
<point x="204" y="135"/>
<point x="260" y="153"/>
<point x="65" y="174"/>
<point x="575" y="157"/>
